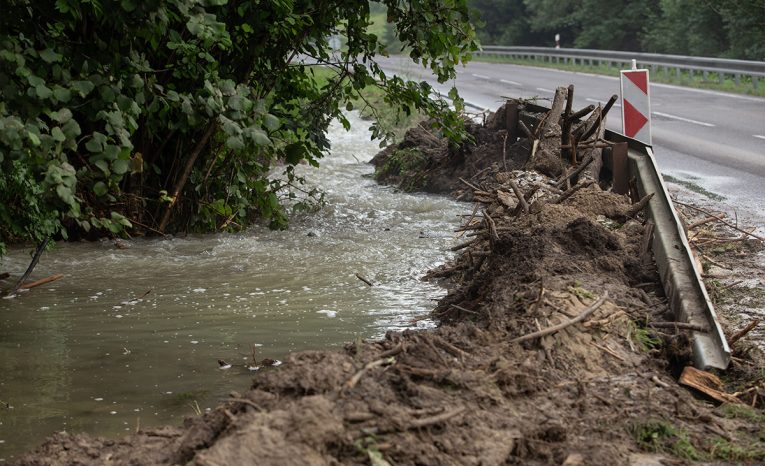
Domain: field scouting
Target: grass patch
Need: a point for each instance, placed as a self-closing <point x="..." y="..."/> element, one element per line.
<point x="697" y="80"/>
<point x="642" y="337"/>
<point x="691" y="186"/>
<point x="736" y="411"/>
<point x="725" y="450"/>
<point x="662" y="437"/>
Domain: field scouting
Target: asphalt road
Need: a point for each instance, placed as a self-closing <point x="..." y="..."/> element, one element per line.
<point x="712" y="139"/>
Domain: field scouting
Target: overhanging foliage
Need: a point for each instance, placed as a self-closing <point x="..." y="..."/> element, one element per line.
<point x="169" y="114"/>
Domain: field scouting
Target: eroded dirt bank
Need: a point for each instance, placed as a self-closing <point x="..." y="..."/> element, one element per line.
<point x="493" y="384"/>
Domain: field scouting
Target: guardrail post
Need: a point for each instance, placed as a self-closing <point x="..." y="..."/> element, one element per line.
<point x="737" y="78"/>
<point x="754" y="82"/>
<point x="620" y="168"/>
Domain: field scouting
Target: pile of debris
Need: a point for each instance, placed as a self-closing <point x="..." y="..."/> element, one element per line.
<point x="556" y="344"/>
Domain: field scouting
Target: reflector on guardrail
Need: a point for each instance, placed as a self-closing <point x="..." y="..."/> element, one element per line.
<point x="636" y="105"/>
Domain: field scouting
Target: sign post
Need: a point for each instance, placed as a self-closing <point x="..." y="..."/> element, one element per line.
<point x="636" y="105"/>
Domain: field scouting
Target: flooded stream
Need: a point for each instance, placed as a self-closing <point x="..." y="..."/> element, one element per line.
<point x="95" y="353"/>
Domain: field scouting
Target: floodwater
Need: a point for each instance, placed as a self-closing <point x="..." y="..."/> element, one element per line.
<point x="132" y="337"/>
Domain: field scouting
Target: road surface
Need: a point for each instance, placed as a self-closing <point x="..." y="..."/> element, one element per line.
<point x="713" y="139"/>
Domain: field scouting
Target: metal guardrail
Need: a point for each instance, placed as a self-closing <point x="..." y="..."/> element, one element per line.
<point x="681" y="280"/>
<point x="707" y="67"/>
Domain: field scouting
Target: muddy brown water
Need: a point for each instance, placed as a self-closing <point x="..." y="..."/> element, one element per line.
<point x="91" y="353"/>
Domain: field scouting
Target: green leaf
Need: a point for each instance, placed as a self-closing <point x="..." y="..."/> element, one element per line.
<point x="235" y="142"/>
<point x="35" y="81"/>
<point x="49" y="56"/>
<point x="103" y="165"/>
<point x="271" y="122"/>
<point x="119" y="218"/>
<point x="96" y="143"/>
<point x="57" y="134"/>
<point x="82" y="87"/>
<point x="127" y="5"/>
<point x="62" y="115"/>
<point x="111" y="152"/>
<point x="121" y="166"/>
<point x="65" y="193"/>
<point x="100" y="188"/>
<point x="260" y="137"/>
<point x="43" y="91"/>
<point x="62" y="94"/>
<point x="71" y="128"/>
<point x="33" y="138"/>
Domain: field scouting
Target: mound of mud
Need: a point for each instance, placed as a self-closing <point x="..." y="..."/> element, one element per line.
<point x="545" y="354"/>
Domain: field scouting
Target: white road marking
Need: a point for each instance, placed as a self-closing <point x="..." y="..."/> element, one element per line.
<point x="687" y="120"/>
<point x="759" y="136"/>
<point x="481" y="76"/>
<point x="506" y="81"/>
<point x="600" y="102"/>
<point x="542" y="89"/>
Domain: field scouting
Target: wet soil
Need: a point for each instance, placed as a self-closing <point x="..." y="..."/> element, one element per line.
<point x="481" y="389"/>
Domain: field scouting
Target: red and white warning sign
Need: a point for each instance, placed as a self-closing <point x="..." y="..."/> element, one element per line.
<point x="636" y="105"/>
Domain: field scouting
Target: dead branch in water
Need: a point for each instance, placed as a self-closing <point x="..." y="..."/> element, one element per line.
<point x="35" y="259"/>
<point x="42" y="281"/>
<point x="364" y="280"/>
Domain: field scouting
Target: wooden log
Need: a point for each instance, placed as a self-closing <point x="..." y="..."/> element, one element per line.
<point x="546" y="159"/>
<point x="565" y="126"/>
<point x="707" y="383"/>
<point x="580" y="113"/>
<point x="42" y="281"/>
<point x="595" y="125"/>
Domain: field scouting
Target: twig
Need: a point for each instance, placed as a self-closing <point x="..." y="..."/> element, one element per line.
<point x="720" y="219"/>
<point x="608" y="350"/>
<point x="680" y="326"/>
<point x="463" y="309"/>
<point x="640" y="205"/>
<point x="449" y="348"/>
<point x="364" y="280"/>
<point x="370" y="365"/>
<point x="427" y="421"/>
<point x="35" y="260"/>
<point x="519" y="195"/>
<point x="491" y="226"/>
<point x="555" y="328"/>
<point x="526" y="130"/>
<point x="743" y="332"/>
<point x="462" y="245"/>
<point x="471" y="185"/>
<point x="579" y="114"/>
<point x="134" y="222"/>
<point x="703" y="221"/>
<point x="660" y="383"/>
<point x="576" y="171"/>
<point x="392" y="352"/>
<point x="571" y="191"/>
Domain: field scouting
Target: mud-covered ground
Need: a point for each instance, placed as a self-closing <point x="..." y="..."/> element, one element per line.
<point x="493" y="384"/>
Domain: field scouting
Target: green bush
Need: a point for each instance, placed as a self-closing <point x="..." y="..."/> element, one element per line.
<point x="169" y="115"/>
